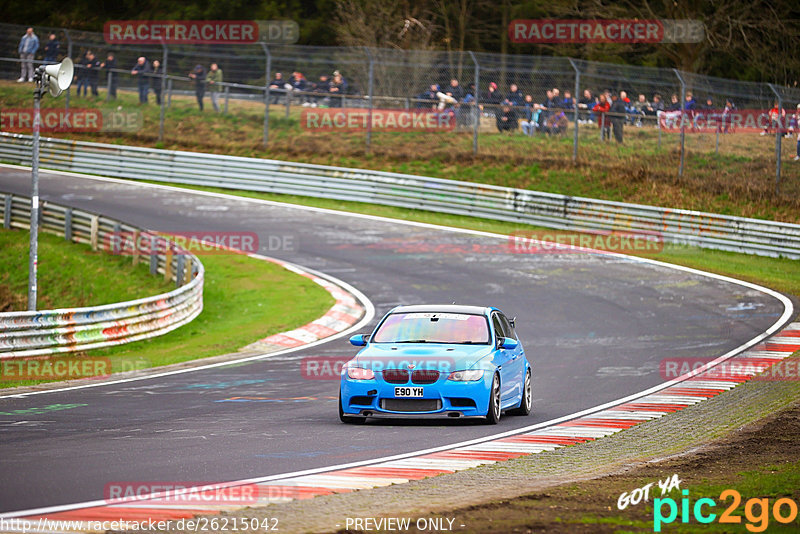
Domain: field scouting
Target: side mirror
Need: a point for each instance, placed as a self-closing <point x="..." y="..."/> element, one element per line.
<point x="359" y="340"/>
<point x="508" y="343"/>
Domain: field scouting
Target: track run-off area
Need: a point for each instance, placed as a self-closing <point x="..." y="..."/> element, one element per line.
<point x="596" y="328"/>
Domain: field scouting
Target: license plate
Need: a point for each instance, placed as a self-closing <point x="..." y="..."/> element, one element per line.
<point x="408" y="392"/>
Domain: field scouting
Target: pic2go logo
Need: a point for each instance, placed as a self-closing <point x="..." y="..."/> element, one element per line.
<point x="756" y="511"/>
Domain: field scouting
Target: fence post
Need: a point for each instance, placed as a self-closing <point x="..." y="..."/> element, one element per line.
<point x="477" y="109"/>
<point x="68" y="224"/>
<point x="369" y="97"/>
<point x="153" y="256"/>
<point x="683" y="123"/>
<point x="163" y="87"/>
<point x="7" y="212"/>
<point x="227" y="96"/>
<point x="169" y="93"/>
<point x="778" y="141"/>
<point x="575" y="104"/>
<point x="69" y="55"/>
<point x="266" y="93"/>
<point x="179" y="270"/>
<point x="108" y="84"/>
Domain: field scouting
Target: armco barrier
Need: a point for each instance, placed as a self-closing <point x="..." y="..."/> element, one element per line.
<point x="32" y="333"/>
<point x="706" y="230"/>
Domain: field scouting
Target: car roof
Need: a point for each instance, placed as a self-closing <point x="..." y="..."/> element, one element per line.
<point x="444" y="308"/>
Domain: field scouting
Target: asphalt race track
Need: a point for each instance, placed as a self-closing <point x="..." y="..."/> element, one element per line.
<point x="595" y="328"/>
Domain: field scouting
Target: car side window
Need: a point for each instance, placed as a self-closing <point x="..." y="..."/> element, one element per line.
<point x="499" y="331"/>
<point x="507" y="328"/>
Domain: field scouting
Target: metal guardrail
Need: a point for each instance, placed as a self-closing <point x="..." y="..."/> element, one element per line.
<point x="694" y="228"/>
<point x="32" y="333"/>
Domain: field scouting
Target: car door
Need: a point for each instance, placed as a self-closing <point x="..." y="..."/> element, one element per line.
<point x="503" y="358"/>
<point x="517" y="360"/>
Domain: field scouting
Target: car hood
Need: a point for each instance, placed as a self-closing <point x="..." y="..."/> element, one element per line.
<point x="436" y="356"/>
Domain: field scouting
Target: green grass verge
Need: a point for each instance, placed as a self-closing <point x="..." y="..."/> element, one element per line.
<point x="61" y="264"/>
<point x="244" y="299"/>
<point x="777" y="273"/>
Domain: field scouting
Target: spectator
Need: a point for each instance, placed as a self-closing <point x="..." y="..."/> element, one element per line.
<point x="514" y="95"/>
<point x="322" y="87"/>
<point x="111" y="77"/>
<point x="586" y="103"/>
<point x="709" y="105"/>
<point x="155" y="80"/>
<point x="338" y="89"/>
<point x="529" y="116"/>
<point x="618" y="113"/>
<point x="92" y="71"/>
<point x="626" y="102"/>
<point x="600" y="109"/>
<point x="557" y="123"/>
<point x="198" y="74"/>
<point x="429" y="97"/>
<point x="27" y="48"/>
<point x="640" y="107"/>
<point x="51" y="50"/>
<point x="492" y="99"/>
<point x="567" y="103"/>
<point x="469" y="94"/>
<point x="455" y="90"/>
<point x="278" y="84"/>
<point x="774" y="116"/>
<point x="689" y="108"/>
<point x="82" y="74"/>
<point x="727" y="116"/>
<point x="507" y="118"/>
<point x="674" y="104"/>
<point x="547" y="108"/>
<point x="214" y="79"/>
<point x="655" y="106"/>
<point x="141" y="70"/>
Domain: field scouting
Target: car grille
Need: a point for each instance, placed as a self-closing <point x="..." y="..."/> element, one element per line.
<point x="411" y="405"/>
<point x="395" y="376"/>
<point x="424" y="376"/>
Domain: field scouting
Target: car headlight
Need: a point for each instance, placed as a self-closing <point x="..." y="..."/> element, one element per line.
<point x="359" y="373"/>
<point x="466" y="376"/>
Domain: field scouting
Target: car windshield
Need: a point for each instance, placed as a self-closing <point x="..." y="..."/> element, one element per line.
<point x="432" y="327"/>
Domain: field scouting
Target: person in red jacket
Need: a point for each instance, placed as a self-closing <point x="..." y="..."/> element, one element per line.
<point x="600" y="109"/>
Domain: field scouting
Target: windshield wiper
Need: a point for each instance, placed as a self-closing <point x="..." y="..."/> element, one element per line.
<point x="411" y="341"/>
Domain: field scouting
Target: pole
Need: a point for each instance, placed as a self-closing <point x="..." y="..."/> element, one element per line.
<point x="575" y="104"/>
<point x="477" y="108"/>
<point x="266" y="93"/>
<point x="69" y="55"/>
<point x="369" y="97"/>
<point x="163" y="93"/>
<point x="778" y="140"/>
<point x="33" y="258"/>
<point x="683" y="124"/>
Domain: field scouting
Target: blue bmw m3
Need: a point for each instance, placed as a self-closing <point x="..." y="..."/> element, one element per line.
<point x="437" y="360"/>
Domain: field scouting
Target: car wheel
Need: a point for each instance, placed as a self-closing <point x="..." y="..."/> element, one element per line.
<point x="526" y="401"/>
<point x="349" y="419"/>
<point x="493" y="414"/>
